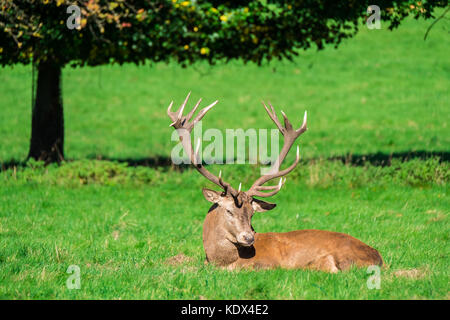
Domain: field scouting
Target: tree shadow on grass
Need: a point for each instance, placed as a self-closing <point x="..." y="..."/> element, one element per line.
<point x="376" y="159"/>
<point x="152" y="162"/>
<point x="385" y="159"/>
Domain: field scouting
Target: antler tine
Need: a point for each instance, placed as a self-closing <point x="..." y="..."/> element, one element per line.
<point x="184" y="126"/>
<point x="303" y="127"/>
<point x="171" y="114"/>
<point x="202" y="112"/>
<point x="190" y="114"/>
<point x="170" y="107"/>
<point x="180" y="111"/>
<point x="275" y="189"/>
<point x="177" y="115"/>
<point x="287" y="123"/>
<point x="273" y="116"/>
<point x="225" y="185"/>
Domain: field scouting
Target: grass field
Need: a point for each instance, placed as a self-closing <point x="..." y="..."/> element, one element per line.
<point x="380" y="92"/>
<point x="135" y="232"/>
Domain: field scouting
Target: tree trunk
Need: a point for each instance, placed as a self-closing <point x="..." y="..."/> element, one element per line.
<point x="47" y="123"/>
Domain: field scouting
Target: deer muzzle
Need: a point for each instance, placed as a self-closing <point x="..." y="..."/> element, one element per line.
<point x="245" y="239"/>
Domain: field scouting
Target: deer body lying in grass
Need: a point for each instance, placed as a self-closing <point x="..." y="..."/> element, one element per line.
<point x="229" y="239"/>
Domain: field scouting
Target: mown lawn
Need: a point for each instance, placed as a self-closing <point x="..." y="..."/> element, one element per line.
<point x="135" y="232"/>
<point x="123" y="227"/>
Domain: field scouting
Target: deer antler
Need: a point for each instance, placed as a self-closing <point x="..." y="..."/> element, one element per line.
<point x="290" y="135"/>
<point x="184" y="126"/>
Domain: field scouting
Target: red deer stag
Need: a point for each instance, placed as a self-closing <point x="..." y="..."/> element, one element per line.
<point x="228" y="236"/>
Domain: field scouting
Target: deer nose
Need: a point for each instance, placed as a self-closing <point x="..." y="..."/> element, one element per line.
<point x="249" y="238"/>
<point x="246" y="238"/>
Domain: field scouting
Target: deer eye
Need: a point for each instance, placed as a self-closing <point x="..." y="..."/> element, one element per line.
<point x="230" y="213"/>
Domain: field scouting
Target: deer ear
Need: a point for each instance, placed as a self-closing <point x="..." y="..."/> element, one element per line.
<point x="211" y="195"/>
<point x="262" y="206"/>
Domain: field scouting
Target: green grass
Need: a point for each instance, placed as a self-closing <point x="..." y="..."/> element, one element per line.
<point x="382" y="92"/>
<point x="120" y="225"/>
<point x="379" y="92"/>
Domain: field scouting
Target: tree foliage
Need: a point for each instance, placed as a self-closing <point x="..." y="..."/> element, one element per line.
<point x="186" y="31"/>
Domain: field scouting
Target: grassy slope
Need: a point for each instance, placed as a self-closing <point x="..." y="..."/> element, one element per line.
<point x="379" y="92"/>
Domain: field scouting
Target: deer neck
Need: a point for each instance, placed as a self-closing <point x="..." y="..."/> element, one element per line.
<point x="219" y="250"/>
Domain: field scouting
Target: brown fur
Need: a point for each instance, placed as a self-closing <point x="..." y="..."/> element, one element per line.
<point x="309" y="249"/>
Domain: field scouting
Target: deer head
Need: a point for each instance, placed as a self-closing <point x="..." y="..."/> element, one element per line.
<point x="236" y="207"/>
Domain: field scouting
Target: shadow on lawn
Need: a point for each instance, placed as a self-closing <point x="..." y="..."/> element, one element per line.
<point x="376" y="159"/>
<point x="384" y="159"/>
